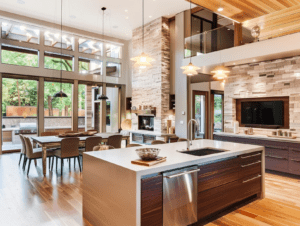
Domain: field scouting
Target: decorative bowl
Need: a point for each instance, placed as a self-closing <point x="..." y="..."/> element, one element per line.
<point x="148" y="153"/>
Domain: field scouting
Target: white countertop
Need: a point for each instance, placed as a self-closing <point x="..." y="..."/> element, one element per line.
<point x="259" y="136"/>
<point x="123" y="157"/>
<point x="153" y="133"/>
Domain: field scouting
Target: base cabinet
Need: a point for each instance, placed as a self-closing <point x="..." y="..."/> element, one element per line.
<point x="281" y="156"/>
<point x="220" y="185"/>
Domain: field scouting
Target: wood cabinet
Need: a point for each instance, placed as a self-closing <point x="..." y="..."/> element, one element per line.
<point x="281" y="156"/>
<point x="220" y="185"/>
<point x="152" y="201"/>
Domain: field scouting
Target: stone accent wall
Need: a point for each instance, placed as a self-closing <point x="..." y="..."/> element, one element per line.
<point x="152" y="86"/>
<point x="265" y="79"/>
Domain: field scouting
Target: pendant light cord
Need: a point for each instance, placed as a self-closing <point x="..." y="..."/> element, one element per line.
<point x="143" y="19"/>
<point x="191" y="31"/>
<point x="61" y="45"/>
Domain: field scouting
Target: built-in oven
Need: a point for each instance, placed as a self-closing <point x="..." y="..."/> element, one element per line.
<point x="180" y="192"/>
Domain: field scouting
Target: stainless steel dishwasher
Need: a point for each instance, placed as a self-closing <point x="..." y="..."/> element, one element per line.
<point x="180" y="189"/>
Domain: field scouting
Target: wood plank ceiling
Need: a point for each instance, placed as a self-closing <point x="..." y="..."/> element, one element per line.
<point x="275" y="17"/>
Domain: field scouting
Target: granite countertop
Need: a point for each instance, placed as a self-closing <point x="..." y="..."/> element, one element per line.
<point x="257" y="136"/>
<point x="122" y="157"/>
<point x="151" y="133"/>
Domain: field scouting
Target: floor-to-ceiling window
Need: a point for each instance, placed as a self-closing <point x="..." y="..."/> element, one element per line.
<point x="112" y="109"/>
<point x="200" y="105"/>
<point x="82" y="93"/>
<point x="57" y="111"/>
<point x="19" y="111"/>
<point x="218" y="116"/>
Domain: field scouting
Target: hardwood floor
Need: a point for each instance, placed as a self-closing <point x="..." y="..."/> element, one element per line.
<point x="56" y="200"/>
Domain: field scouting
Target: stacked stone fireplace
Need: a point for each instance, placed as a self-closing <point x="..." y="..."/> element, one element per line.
<point x="151" y="87"/>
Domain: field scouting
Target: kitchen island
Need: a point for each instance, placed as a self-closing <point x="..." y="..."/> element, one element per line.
<point x="116" y="192"/>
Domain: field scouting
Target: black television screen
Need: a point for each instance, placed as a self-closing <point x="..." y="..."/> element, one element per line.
<point x="269" y="113"/>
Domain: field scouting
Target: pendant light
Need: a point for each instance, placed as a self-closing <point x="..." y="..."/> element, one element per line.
<point x="61" y="93"/>
<point x="220" y="72"/>
<point x="142" y="61"/>
<point x="190" y="69"/>
<point x="102" y="96"/>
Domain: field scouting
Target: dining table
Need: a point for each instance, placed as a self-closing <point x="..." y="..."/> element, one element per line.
<point x="47" y="142"/>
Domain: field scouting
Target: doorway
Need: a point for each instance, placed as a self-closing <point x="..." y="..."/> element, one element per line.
<point x="217" y="106"/>
<point x="200" y="113"/>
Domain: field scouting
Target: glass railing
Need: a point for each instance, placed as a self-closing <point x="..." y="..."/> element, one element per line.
<point x="214" y="40"/>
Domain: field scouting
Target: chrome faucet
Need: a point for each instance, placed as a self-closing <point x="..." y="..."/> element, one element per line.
<point x="189" y="138"/>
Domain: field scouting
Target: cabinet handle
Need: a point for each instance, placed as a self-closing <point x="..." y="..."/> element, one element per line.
<point x="295" y="160"/>
<point x="280" y="148"/>
<point x="251" y="164"/>
<point x="180" y="174"/>
<point x="250" y="156"/>
<point x="245" y="181"/>
<point x="275" y="157"/>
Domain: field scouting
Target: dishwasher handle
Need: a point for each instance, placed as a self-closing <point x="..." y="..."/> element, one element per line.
<point x="183" y="173"/>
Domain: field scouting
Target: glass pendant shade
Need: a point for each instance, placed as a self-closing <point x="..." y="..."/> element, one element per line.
<point x="220" y="72"/>
<point x="60" y="94"/>
<point x="190" y="69"/>
<point x="142" y="61"/>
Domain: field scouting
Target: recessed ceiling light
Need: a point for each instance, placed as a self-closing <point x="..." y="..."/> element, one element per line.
<point x="150" y="16"/>
<point x="126" y="10"/>
<point x="220" y="9"/>
<point x="20" y="1"/>
<point x="281" y="29"/>
<point x="127" y="18"/>
<point x="254" y="60"/>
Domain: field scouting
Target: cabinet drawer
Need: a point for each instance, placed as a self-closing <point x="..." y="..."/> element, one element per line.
<point x="250" y="185"/>
<point x="294" y="166"/>
<point x="250" y="158"/>
<point x="249" y="169"/>
<point x="294" y="154"/>
<point x="277" y="152"/>
<point x="217" y="174"/>
<point x="216" y="199"/>
<point x="277" y="163"/>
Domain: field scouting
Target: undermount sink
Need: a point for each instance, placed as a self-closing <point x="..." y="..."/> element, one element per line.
<point x="203" y="151"/>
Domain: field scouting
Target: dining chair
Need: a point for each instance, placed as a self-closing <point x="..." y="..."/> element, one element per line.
<point x="115" y="141"/>
<point x="51" y="147"/>
<point x="181" y="139"/>
<point x="157" y="142"/>
<point x="69" y="149"/>
<point x="133" y="145"/>
<point x="22" y="153"/>
<point x="33" y="153"/>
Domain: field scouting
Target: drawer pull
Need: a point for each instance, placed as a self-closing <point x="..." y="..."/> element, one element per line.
<point x="245" y="181"/>
<point x="251" y="156"/>
<point x="280" y="148"/>
<point x="251" y="164"/>
<point x="295" y="160"/>
<point x="275" y="157"/>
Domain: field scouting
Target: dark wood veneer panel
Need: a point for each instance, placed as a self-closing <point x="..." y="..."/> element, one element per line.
<point x="152" y="201"/>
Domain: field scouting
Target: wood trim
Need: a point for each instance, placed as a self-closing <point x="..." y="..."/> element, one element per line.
<point x="204" y="93"/>
<point x="238" y="34"/>
<point x="286" y="110"/>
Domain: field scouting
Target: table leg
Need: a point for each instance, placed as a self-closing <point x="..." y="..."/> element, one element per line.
<point x="44" y="154"/>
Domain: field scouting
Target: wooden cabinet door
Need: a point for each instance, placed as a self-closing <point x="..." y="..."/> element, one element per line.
<point x="152" y="201"/>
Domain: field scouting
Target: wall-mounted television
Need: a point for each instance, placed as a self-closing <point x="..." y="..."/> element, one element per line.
<point x="263" y="113"/>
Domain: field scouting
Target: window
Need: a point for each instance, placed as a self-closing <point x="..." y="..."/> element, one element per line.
<point x="54" y="39"/>
<point x="20" y="32"/>
<point x="90" y="66"/>
<point x="113" y="69"/>
<point x="81" y="105"/>
<point x="112" y="109"/>
<point x="57" y="111"/>
<point x="90" y="46"/>
<point x="53" y="61"/>
<point x="19" y="56"/>
<point x="113" y="51"/>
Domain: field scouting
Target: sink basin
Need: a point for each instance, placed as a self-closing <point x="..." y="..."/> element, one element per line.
<point x="203" y="151"/>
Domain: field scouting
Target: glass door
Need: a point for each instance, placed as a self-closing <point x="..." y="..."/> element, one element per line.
<point x="200" y="113"/>
<point x="218" y="111"/>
